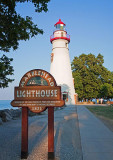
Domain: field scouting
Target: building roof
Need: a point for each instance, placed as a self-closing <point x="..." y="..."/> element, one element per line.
<point x="59" y="22"/>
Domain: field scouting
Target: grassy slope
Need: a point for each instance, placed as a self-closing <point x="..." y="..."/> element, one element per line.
<point x="106" y="111"/>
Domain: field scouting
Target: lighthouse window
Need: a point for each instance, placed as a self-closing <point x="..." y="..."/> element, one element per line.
<point x="60" y="27"/>
<point x="37" y="81"/>
<point x="52" y="54"/>
<point x="66" y="45"/>
<point x="61" y="34"/>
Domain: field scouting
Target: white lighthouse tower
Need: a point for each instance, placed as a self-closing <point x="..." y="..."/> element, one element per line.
<point x="60" y="62"/>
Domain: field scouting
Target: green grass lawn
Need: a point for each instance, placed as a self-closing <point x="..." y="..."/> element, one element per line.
<point x="106" y="111"/>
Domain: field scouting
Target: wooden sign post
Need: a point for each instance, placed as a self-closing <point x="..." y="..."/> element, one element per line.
<point x="24" y="133"/>
<point x="50" y="132"/>
<point x="37" y="91"/>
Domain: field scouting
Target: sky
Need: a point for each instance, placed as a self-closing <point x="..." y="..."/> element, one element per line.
<point x="88" y="22"/>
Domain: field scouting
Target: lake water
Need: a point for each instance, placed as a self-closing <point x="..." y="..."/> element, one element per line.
<point x="5" y="104"/>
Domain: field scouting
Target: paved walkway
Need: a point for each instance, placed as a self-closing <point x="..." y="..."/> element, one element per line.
<point x="67" y="137"/>
<point x="96" y="138"/>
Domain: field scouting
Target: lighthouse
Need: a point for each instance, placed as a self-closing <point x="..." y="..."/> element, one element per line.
<point x="60" y="63"/>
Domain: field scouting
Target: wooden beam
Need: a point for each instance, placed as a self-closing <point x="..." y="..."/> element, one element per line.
<point x="50" y="132"/>
<point x="24" y="133"/>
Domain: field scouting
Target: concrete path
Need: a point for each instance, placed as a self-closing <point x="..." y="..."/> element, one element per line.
<point x="67" y="137"/>
<point x="96" y="138"/>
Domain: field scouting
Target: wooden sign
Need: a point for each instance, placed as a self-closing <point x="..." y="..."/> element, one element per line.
<point x="37" y="90"/>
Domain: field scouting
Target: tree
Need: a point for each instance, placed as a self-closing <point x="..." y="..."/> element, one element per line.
<point x="106" y="91"/>
<point x="14" y="27"/>
<point x="5" y="70"/>
<point x="78" y="84"/>
<point x="91" y="75"/>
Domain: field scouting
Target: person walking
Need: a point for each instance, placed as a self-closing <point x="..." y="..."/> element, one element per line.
<point x="101" y="100"/>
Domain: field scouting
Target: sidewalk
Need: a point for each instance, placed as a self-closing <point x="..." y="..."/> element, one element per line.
<point x="66" y="141"/>
<point x="96" y="138"/>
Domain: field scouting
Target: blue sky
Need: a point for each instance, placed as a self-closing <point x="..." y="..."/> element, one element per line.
<point x="89" y="23"/>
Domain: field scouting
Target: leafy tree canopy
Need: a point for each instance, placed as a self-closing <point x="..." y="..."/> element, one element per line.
<point x="13" y="28"/>
<point x="89" y="75"/>
<point x="5" y="70"/>
<point x="106" y="91"/>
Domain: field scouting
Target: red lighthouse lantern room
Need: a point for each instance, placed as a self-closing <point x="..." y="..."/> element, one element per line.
<point x="60" y="32"/>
